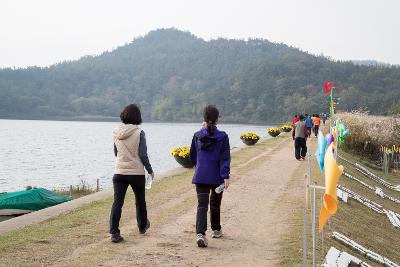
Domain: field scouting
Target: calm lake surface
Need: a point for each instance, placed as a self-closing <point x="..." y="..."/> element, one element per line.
<point x="57" y="154"/>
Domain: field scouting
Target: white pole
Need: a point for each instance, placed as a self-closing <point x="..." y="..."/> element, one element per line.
<point x="309" y="174"/>
<point x="322" y="232"/>
<point x="305" y="222"/>
<point x="314" y="235"/>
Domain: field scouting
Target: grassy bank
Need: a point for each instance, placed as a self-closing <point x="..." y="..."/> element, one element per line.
<point x="52" y="241"/>
<point x="77" y="191"/>
<point x="356" y="221"/>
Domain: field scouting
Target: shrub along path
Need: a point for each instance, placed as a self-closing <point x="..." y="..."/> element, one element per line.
<point x="257" y="210"/>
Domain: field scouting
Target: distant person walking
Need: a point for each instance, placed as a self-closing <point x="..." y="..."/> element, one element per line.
<point x="299" y="135"/>
<point x="210" y="153"/>
<point x="130" y="150"/>
<point x="317" y="122"/>
<point x="309" y="124"/>
<point x="323" y="118"/>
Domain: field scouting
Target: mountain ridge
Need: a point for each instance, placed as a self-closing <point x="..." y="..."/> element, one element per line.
<point x="172" y="74"/>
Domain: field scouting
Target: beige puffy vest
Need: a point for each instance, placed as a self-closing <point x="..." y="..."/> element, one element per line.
<point x="126" y="138"/>
<point x="300" y="129"/>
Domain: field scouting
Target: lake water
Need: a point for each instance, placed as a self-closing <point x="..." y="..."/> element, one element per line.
<point x="57" y="154"/>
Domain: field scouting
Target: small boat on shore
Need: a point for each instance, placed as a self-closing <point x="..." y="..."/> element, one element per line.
<point x="26" y="201"/>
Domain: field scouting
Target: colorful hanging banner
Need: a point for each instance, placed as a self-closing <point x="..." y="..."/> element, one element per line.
<point x="320" y="153"/>
<point x="332" y="175"/>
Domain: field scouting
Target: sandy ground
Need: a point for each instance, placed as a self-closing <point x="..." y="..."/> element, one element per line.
<point x="257" y="211"/>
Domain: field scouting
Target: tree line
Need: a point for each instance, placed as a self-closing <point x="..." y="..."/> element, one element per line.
<point x="172" y="74"/>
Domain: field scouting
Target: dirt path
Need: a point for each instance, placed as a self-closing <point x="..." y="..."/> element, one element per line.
<point x="256" y="213"/>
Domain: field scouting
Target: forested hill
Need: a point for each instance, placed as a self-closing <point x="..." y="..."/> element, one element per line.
<point x="173" y="74"/>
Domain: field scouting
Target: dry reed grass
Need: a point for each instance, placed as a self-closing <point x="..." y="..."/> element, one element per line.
<point x="77" y="191"/>
<point x="368" y="133"/>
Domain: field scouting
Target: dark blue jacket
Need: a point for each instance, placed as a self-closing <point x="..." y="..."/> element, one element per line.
<point x="212" y="157"/>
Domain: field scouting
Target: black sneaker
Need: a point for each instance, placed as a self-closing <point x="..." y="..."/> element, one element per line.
<point x="143" y="231"/>
<point x="116" y="238"/>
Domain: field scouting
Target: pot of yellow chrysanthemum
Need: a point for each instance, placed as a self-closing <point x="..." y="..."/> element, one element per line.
<point x="181" y="155"/>
<point x="274" y="132"/>
<point x="249" y="138"/>
<point x="286" y="128"/>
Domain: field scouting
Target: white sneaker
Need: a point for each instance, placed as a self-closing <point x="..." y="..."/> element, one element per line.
<point x="217" y="234"/>
<point x="201" y="240"/>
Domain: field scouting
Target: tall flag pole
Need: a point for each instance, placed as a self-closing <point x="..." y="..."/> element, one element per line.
<point x="326" y="158"/>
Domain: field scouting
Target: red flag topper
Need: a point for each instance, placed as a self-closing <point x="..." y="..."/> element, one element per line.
<point x="328" y="87"/>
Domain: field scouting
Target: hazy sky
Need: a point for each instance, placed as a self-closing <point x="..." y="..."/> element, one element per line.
<point x="43" y="32"/>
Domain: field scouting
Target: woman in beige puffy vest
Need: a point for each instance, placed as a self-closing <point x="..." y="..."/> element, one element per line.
<point x="130" y="150"/>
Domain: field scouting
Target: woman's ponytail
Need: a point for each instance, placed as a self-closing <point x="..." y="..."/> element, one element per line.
<point x="210" y="116"/>
<point x="211" y="127"/>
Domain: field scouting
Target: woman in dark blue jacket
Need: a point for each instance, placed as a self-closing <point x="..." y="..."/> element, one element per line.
<point x="210" y="153"/>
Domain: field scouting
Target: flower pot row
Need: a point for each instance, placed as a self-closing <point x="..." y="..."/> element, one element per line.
<point x="181" y="154"/>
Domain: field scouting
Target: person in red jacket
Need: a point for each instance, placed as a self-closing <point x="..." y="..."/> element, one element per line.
<point x="299" y="135"/>
<point x="295" y="119"/>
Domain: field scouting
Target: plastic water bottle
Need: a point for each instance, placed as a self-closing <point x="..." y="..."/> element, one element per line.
<point x="220" y="188"/>
<point x="149" y="181"/>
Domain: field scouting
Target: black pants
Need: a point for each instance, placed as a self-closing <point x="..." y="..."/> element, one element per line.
<point x="121" y="183"/>
<point x="316" y="129"/>
<point x="309" y="131"/>
<point x="203" y="198"/>
<point x="300" y="147"/>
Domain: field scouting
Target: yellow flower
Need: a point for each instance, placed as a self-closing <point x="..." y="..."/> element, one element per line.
<point x="274" y="131"/>
<point x="250" y="135"/>
<point x="183" y="152"/>
<point x="286" y="128"/>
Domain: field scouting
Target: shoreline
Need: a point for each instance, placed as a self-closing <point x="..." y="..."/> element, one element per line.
<point x="104" y="178"/>
<point x="116" y="119"/>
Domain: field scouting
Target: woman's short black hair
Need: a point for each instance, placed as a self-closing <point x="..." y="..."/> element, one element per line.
<point x="131" y="115"/>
